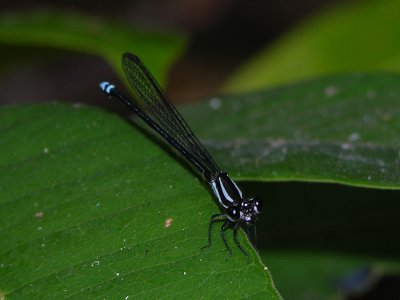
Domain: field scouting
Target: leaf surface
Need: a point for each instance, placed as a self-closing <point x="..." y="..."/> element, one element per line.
<point x="343" y="129"/>
<point x="91" y="208"/>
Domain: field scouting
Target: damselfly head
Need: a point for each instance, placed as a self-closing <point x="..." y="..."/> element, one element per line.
<point x="250" y="208"/>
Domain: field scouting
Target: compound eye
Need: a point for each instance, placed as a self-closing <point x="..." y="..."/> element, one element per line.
<point x="233" y="213"/>
<point x="257" y="204"/>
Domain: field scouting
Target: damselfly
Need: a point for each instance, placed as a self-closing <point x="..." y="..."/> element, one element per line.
<point x="152" y="105"/>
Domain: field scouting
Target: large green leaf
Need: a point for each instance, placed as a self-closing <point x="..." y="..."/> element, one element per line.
<point x="91" y="208"/>
<point x="361" y="36"/>
<point x="342" y="129"/>
<point x="87" y="199"/>
<point x="83" y="33"/>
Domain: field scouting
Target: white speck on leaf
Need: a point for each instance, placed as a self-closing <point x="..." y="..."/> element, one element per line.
<point x="215" y="103"/>
<point x="45" y="150"/>
<point x="331" y="91"/>
<point x="95" y="263"/>
<point x="346" y="146"/>
<point x="355" y="136"/>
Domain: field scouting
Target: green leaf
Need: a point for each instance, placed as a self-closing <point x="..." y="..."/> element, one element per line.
<point x="87" y="34"/>
<point x="298" y="275"/>
<point x="342" y="129"/>
<point x="361" y="36"/>
<point x="91" y="208"/>
<point x="87" y="200"/>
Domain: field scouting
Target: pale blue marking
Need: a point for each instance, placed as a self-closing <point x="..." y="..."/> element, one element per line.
<point x="106" y="86"/>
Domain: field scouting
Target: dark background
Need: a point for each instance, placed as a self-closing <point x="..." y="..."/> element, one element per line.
<point x="222" y="35"/>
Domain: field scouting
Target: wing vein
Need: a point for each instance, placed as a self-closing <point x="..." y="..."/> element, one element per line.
<point x="154" y="103"/>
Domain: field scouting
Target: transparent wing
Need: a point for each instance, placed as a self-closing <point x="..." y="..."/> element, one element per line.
<point x="153" y="102"/>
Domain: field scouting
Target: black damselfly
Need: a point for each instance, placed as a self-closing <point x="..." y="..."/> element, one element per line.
<point x="159" y="113"/>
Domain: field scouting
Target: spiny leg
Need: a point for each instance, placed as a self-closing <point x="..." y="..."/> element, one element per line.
<point x="214" y="218"/>
<point x="224" y="227"/>
<point x="235" y="238"/>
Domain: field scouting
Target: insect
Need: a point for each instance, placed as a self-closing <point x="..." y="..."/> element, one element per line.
<point x="154" y="108"/>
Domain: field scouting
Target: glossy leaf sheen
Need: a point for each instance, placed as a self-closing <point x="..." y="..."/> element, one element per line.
<point x="83" y="33"/>
<point x="356" y="36"/>
<point x="91" y="208"/>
